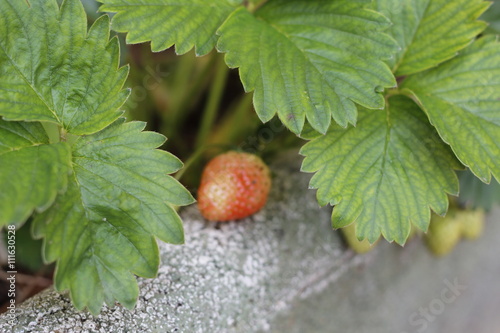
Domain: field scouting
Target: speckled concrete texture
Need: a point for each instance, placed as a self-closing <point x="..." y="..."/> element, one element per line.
<point x="285" y="270"/>
<point x="231" y="277"/>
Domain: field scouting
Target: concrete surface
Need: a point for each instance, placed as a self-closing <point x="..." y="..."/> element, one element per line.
<point x="285" y="270"/>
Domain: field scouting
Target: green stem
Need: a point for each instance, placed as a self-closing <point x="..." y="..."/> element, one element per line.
<point x="182" y="74"/>
<point x="253" y="6"/>
<point x="404" y="92"/>
<point x="192" y="93"/>
<point x="236" y="123"/>
<point x="213" y="103"/>
<point x="63" y="134"/>
<point x="180" y="83"/>
<point x="196" y="155"/>
<point x="243" y="105"/>
<point x="195" y="89"/>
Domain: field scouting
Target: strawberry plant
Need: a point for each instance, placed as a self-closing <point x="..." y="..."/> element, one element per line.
<point x="392" y="97"/>
<point x="99" y="185"/>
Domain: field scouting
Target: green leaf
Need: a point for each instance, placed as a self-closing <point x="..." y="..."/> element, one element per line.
<point x="430" y="31"/>
<point x="184" y="23"/>
<point x="16" y="135"/>
<point x="476" y="194"/>
<point x="310" y="59"/>
<point x="53" y="70"/>
<point x="462" y="100"/>
<point x="103" y="228"/>
<point x="383" y="174"/>
<point x="32" y="171"/>
<point x="492" y="16"/>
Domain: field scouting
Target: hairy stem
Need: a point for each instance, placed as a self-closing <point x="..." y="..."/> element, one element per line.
<point x="252" y="6"/>
<point x="213" y="103"/>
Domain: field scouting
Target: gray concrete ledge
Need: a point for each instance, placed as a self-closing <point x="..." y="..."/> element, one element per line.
<point x="285" y="270"/>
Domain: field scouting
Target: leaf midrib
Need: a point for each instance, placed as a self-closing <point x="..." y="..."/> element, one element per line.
<point x="384" y="159"/>
<point x="91" y="246"/>
<point x="305" y="58"/>
<point x="403" y="53"/>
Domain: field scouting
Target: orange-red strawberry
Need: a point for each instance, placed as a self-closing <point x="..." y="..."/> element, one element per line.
<point x="233" y="186"/>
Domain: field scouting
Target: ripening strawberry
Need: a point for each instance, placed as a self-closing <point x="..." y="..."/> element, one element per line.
<point x="233" y="185"/>
<point x="354" y="243"/>
<point x="444" y="233"/>
<point x="472" y="223"/>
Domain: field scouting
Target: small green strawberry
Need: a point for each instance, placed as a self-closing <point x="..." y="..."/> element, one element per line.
<point x="444" y="233"/>
<point x="414" y="231"/>
<point x="472" y="223"/>
<point x="233" y="185"/>
<point x="358" y="246"/>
